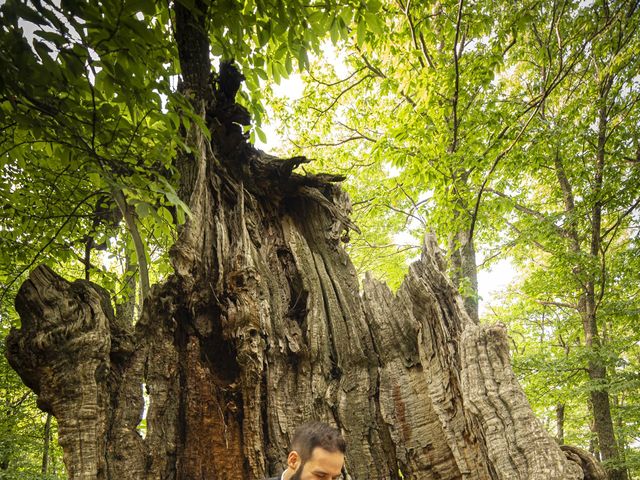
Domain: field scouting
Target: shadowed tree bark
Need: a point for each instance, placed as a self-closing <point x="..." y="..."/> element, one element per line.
<point x="263" y="326"/>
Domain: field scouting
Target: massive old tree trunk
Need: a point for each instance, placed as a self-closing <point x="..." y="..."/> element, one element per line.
<point x="413" y="383"/>
<point x="262" y="327"/>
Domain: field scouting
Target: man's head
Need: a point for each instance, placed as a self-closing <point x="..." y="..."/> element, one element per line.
<point x="317" y="453"/>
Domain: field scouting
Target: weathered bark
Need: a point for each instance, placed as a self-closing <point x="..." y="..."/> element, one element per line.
<point x="424" y="405"/>
<point x="592" y="470"/>
<point x="506" y="418"/>
<point x="63" y="354"/>
<point x="262" y="327"/>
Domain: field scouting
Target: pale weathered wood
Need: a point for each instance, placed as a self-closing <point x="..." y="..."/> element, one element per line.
<point x="63" y="354"/>
<point x="517" y="445"/>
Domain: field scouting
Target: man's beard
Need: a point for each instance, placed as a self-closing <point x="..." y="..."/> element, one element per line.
<point x="298" y="474"/>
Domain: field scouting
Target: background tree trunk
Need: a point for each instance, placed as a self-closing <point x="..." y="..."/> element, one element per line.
<point x="45" y="448"/>
<point x="464" y="271"/>
<point x="589" y="305"/>
<point x="262" y="327"/>
<point x="560" y="423"/>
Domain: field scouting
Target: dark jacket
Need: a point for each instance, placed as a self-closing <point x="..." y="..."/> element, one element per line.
<point x="275" y="478"/>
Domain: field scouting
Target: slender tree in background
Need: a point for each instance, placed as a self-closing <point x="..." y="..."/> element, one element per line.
<point x="47" y="441"/>
<point x="258" y="323"/>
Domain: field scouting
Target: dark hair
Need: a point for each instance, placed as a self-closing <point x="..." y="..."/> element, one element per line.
<point x="317" y="434"/>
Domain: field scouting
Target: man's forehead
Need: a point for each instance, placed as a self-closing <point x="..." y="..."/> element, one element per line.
<point x="324" y="461"/>
<point x="323" y="452"/>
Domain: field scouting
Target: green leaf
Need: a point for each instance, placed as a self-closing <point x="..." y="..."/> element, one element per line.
<point x="172" y="196"/>
<point x="262" y="74"/>
<point x="261" y="135"/>
<point x="143" y="209"/>
<point x="335" y="31"/>
<point x="25" y="12"/>
<point x="216" y="48"/>
<point x="374" y="6"/>
<point x="374" y="23"/>
<point x="57" y="39"/>
<point x="361" y="34"/>
<point x="303" y="60"/>
<point x="165" y="215"/>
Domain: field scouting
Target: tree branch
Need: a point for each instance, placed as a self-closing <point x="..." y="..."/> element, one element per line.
<point x="534" y="213"/>
<point x="456" y="91"/>
<point x="340" y="142"/>
<point x="129" y="218"/>
<point x="616" y="225"/>
<point x="333" y="84"/>
<point x="335" y="100"/>
<point x="557" y="304"/>
<point x="380" y="74"/>
<point x="423" y="47"/>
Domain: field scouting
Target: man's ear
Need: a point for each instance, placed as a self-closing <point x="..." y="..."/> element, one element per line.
<point x="293" y="460"/>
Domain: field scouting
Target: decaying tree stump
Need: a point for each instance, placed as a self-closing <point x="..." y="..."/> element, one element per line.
<point x="415" y="385"/>
<point x="262" y="327"/>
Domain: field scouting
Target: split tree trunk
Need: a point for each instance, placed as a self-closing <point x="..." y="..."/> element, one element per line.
<point x="262" y="327"/>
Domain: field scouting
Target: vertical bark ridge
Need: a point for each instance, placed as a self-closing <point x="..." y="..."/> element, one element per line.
<point x="155" y="363"/>
<point x="405" y="404"/>
<point x="442" y="317"/>
<point x="126" y="403"/>
<point x="335" y="327"/>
